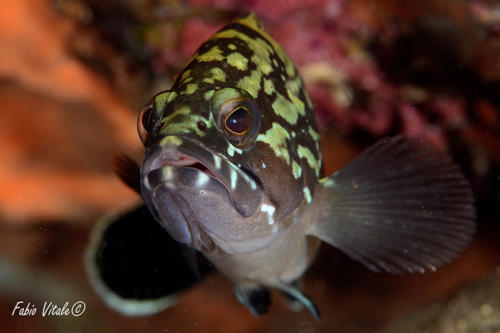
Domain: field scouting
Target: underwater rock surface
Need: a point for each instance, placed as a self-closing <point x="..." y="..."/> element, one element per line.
<point x="473" y="309"/>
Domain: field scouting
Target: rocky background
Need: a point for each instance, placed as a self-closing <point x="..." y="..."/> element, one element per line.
<point x="73" y="74"/>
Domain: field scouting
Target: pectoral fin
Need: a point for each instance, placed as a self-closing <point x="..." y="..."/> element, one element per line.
<point x="128" y="170"/>
<point x="137" y="267"/>
<point x="402" y="205"/>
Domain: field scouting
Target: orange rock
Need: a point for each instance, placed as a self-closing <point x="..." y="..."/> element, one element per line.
<point x="60" y="123"/>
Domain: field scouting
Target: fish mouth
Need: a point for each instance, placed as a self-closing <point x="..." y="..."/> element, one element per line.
<point x="173" y="175"/>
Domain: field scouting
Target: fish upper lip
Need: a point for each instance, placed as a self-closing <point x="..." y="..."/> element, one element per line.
<point x="245" y="194"/>
<point x="164" y="157"/>
<point x="170" y="156"/>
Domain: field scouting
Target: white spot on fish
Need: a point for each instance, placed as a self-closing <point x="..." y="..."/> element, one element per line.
<point x="264" y="165"/>
<point x="167" y="173"/>
<point x="234" y="178"/>
<point x="327" y="182"/>
<point x="202" y="179"/>
<point x="231" y="149"/>
<point x="146" y="183"/>
<point x="243" y="175"/>
<point x="269" y="210"/>
<point x="296" y="169"/>
<point x="307" y="194"/>
<point x="217" y="162"/>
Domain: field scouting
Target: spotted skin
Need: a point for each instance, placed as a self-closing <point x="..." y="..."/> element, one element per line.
<point x="242" y="55"/>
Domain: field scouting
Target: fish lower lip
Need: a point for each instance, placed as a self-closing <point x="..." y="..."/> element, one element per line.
<point x="173" y="194"/>
<point x="169" y="212"/>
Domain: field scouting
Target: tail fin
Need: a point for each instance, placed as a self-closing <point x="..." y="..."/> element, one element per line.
<point x="136" y="267"/>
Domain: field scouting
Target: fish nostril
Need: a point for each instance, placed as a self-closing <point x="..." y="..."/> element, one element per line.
<point x="201" y="125"/>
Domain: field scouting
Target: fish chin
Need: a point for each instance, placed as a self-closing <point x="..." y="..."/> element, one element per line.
<point x="168" y="210"/>
<point x="178" y="196"/>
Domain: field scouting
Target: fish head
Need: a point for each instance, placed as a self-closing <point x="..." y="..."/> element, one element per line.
<point x="227" y="164"/>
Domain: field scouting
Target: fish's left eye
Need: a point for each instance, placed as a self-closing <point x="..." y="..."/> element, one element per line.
<point x="238" y="121"/>
<point x="237" y="115"/>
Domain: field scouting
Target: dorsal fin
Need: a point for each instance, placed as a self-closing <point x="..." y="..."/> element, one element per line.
<point x="250" y="20"/>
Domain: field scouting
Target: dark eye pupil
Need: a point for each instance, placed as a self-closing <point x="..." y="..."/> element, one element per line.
<point x="238" y="121"/>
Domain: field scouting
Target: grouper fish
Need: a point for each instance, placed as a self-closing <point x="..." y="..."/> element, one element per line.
<point x="233" y="174"/>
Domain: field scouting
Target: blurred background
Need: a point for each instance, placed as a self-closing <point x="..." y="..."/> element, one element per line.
<point x="74" y="73"/>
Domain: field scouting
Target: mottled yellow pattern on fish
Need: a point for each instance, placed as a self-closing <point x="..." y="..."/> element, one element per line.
<point x="243" y="56"/>
<point x="277" y="138"/>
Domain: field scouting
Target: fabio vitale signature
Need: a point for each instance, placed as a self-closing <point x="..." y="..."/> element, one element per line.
<point x="49" y="309"/>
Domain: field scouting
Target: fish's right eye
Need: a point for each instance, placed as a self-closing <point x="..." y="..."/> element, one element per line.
<point x="144" y="122"/>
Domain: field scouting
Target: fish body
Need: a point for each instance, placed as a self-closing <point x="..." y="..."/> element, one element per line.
<point x="233" y="170"/>
<point x="240" y="66"/>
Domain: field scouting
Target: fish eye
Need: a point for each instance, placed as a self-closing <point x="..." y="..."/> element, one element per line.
<point x="237" y="115"/>
<point x="144" y="121"/>
<point x="238" y="121"/>
<point x="150" y="113"/>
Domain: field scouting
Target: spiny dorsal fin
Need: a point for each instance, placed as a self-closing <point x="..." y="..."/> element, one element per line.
<point x="251" y="20"/>
<point x="128" y="171"/>
<point x="402" y="205"/>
